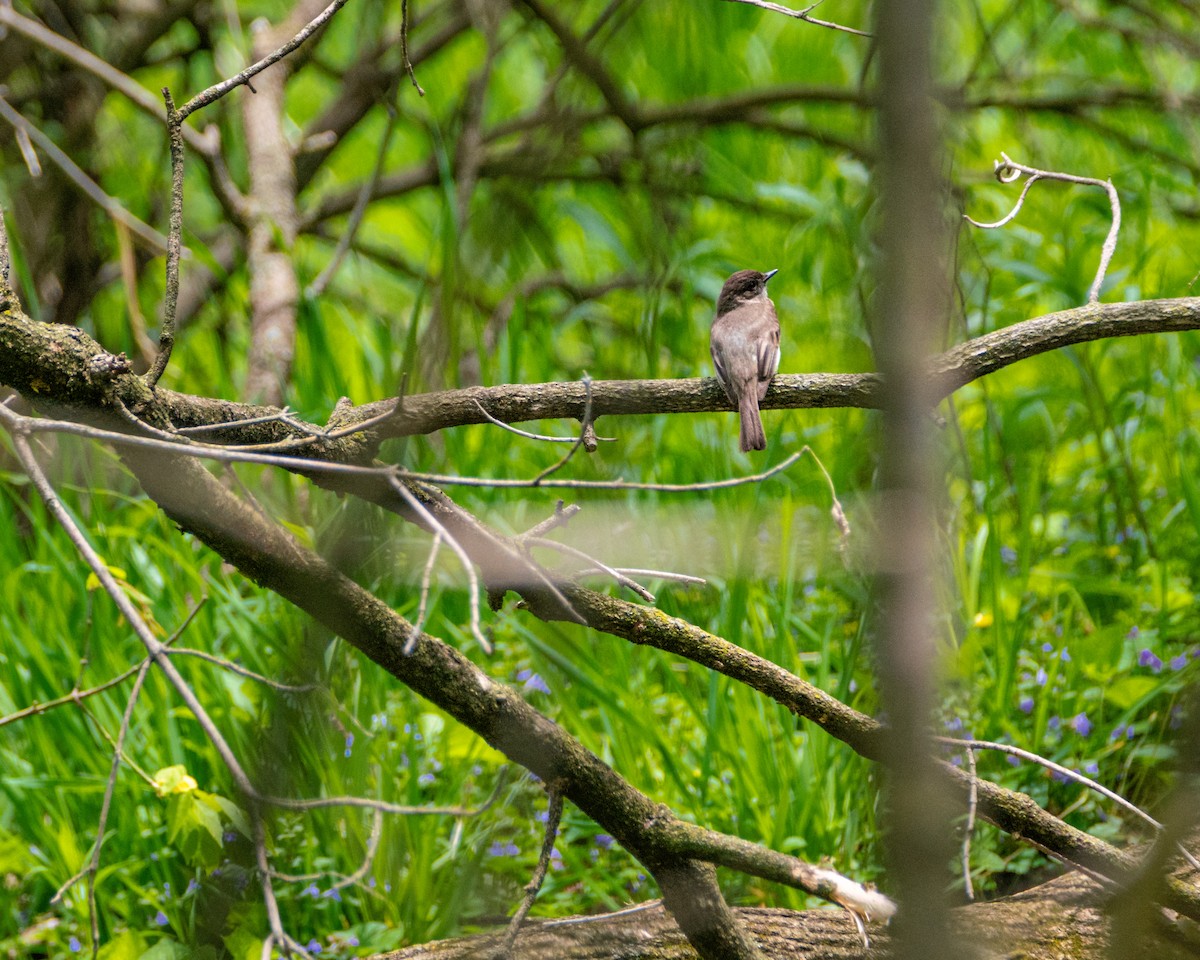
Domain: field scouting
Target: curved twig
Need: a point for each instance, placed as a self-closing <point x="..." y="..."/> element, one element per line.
<point x="1007" y="170"/>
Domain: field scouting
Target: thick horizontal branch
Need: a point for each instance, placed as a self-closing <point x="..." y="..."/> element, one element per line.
<point x="65" y="365"/>
<point x="514" y="403"/>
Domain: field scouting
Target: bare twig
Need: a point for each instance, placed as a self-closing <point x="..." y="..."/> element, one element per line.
<point x="278" y="417"/>
<point x="624" y="912"/>
<point x="472" y="580"/>
<point x="242" y="455"/>
<point x="572" y="551"/>
<point x="1008" y="170"/>
<point x="368" y="854"/>
<point x="562" y="514"/>
<point x="969" y="827"/>
<point x="1068" y="773"/>
<point x="243" y="671"/>
<point x="379" y="808"/>
<point x="426" y="578"/>
<point x="408" y="67"/>
<point x="166" y="335"/>
<point x="28" y="154"/>
<point x="553" y="816"/>
<point x="584" y="429"/>
<point x="262" y="859"/>
<point x="655" y="574"/>
<point x="451" y="480"/>
<point x="836" y="510"/>
<point x="383" y="806"/>
<point x="67" y="698"/>
<point x="534" y="436"/>
<point x="802" y="15"/>
<point x="93" y="867"/>
<point x="218" y="90"/>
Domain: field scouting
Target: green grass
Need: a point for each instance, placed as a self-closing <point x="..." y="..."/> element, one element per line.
<point x="1069" y="524"/>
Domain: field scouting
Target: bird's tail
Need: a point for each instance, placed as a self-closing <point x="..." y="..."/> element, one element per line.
<point x="751" y="436"/>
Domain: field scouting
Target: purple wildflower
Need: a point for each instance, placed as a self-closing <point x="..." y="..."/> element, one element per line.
<point x="1146" y="658"/>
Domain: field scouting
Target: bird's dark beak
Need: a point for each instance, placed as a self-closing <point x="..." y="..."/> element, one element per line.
<point x="769" y="274"/>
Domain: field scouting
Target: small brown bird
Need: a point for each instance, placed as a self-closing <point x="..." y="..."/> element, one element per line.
<point x="745" y="348"/>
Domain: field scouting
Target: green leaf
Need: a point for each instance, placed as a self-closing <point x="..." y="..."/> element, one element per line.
<point x="168" y="949"/>
<point x="1124" y="694"/>
<point x="194" y="827"/>
<point x="125" y="946"/>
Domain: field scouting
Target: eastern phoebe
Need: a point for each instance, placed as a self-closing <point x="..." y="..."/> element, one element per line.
<point x="745" y="348"/>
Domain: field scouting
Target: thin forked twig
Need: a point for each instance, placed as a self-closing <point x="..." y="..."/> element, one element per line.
<point x="620" y="578"/>
<point x="243" y="671"/>
<point x="450" y="479"/>
<point x="803" y="15"/>
<point x="553" y="816"/>
<point x="584" y="429"/>
<point x="472" y="580"/>
<point x="426" y="578"/>
<point x="533" y="436"/>
<point x="67" y="698"/>
<point x="175" y="119"/>
<point x="218" y="90"/>
<point x="379" y="808"/>
<point x="1065" y="772"/>
<point x="1008" y="170"/>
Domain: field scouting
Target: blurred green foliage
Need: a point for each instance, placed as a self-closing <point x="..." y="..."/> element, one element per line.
<point x="1069" y="524"/>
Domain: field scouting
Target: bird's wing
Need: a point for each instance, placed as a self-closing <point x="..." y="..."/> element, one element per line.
<point x="722" y="372"/>
<point x="768" y="354"/>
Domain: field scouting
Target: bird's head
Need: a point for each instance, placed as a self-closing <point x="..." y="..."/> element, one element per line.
<point x="742" y="287"/>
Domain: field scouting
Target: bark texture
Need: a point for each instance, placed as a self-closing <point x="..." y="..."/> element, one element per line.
<point x="1060" y="920"/>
